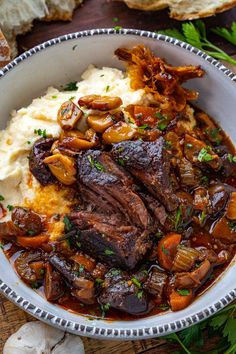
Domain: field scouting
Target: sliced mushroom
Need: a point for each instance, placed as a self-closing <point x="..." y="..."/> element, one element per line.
<point x="37" y="337"/>
<point x="62" y="167"/>
<point x="68" y="115"/>
<point x="22" y="265"/>
<point x="100" y="123"/>
<point x="118" y="132"/>
<point x="101" y="103"/>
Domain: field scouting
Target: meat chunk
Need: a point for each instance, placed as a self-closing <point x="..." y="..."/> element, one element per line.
<point x="82" y="284"/>
<point x="54" y="286"/>
<point x="27" y="220"/>
<point x="107" y="239"/>
<point x="194" y="278"/>
<point x="122" y="294"/>
<point x="98" y="172"/>
<point x="40" y="150"/>
<point x="149" y="163"/>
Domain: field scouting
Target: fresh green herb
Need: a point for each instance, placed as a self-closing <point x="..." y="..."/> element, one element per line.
<point x="164" y="250"/>
<point x="98" y="281"/>
<point x="72" y="98"/>
<point x="68" y="224"/>
<point x="10" y="207"/>
<point x="168" y="143"/>
<point x="145" y="126"/>
<point x="162" y="126"/>
<point x="159" y="234"/>
<point x="197" y="264"/>
<point x="203" y="217"/>
<point x="140" y="294"/>
<point x="178" y="217"/>
<point x="28" y="142"/>
<point x="35" y="285"/>
<point x="121" y="162"/>
<point x="71" y="86"/>
<point x="231" y="158"/>
<point x="31" y="232"/>
<point x="99" y="166"/>
<point x="108" y="252"/>
<point x="183" y="292"/>
<point x="136" y="282"/>
<point x="204" y="155"/>
<point x="107" y="88"/>
<point x="189" y="146"/>
<point x="102" y="75"/>
<point x="229" y="35"/>
<point x="204" y="179"/>
<point x="41" y="132"/>
<point x="232" y="225"/>
<point x="78" y="244"/>
<point x="91" y="161"/>
<point x="160" y="116"/>
<point x="104" y="309"/>
<point x="117" y="28"/>
<point x="54" y="96"/>
<point x="194" y="33"/>
<point x="139" y="115"/>
<point x="42" y="271"/>
<point x="115" y="19"/>
<point x="172" y="32"/>
<point x="54" y="248"/>
<point x="1" y="245"/>
<point x="1" y="198"/>
<point x="115" y="272"/>
<point x="164" y="307"/>
<point x="214" y="132"/>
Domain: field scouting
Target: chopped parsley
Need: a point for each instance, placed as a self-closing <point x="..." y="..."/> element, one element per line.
<point x="159" y="234"/>
<point x="115" y="19"/>
<point x="71" y="86"/>
<point x="136" y="282"/>
<point x="1" y="245"/>
<point x="41" y="132"/>
<point x="108" y="252"/>
<point x="121" y="162"/>
<point x="145" y="126"/>
<point x="54" y="248"/>
<point x="107" y="88"/>
<point x="202" y="217"/>
<point x="42" y="271"/>
<point x="54" y="96"/>
<point x="31" y="232"/>
<point x="183" y="292"/>
<point x="96" y="164"/>
<point x="214" y="132"/>
<point x="117" y="28"/>
<point x="231" y="158"/>
<point x="98" y="281"/>
<point x="10" y="207"/>
<point x="205" y="180"/>
<point x="160" y="116"/>
<point x="1" y="198"/>
<point x="35" y="285"/>
<point x="178" y="217"/>
<point x="164" y="250"/>
<point x="140" y="294"/>
<point x="28" y="142"/>
<point x="163" y="307"/>
<point x="162" y="126"/>
<point x="72" y="98"/>
<point x="204" y="155"/>
<point x="189" y="146"/>
<point x="115" y="272"/>
<point x="67" y="223"/>
<point x="81" y="269"/>
<point x="104" y="309"/>
<point x="78" y="244"/>
<point x="232" y="225"/>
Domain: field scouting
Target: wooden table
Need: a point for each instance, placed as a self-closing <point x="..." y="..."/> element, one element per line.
<point x="97" y="14"/>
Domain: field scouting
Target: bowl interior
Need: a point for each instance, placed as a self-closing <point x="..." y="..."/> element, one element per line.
<point x="64" y="62"/>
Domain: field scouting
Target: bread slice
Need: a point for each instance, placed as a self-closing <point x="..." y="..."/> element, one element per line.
<point x="184" y="9"/>
<point x="61" y="9"/>
<point x="5" y="52"/>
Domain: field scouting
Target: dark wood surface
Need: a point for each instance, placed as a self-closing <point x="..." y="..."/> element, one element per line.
<point x="100" y="14"/>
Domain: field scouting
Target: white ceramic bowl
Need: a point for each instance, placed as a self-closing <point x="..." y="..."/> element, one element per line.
<point x="63" y="59"/>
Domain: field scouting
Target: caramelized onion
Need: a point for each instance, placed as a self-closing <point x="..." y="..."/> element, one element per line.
<point x="185" y="259"/>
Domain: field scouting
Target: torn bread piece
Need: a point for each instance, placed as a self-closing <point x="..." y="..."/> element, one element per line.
<point x="184" y="9"/>
<point x="5" y="52"/>
<point x="61" y="9"/>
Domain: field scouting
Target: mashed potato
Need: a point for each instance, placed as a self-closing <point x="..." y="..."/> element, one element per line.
<point x="17" y="186"/>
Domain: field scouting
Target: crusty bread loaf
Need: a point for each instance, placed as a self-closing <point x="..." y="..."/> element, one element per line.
<point x="4" y="51"/>
<point x="16" y="16"/>
<point x="184" y="9"/>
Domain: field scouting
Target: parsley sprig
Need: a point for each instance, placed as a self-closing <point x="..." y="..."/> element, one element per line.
<point x="229" y="35"/>
<point x="222" y="326"/>
<point x="194" y="33"/>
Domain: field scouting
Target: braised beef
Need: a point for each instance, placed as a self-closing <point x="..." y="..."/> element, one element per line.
<point x="27" y="220"/>
<point x="156" y="282"/>
<point x="54" y="286"/>
<point x="98" y="172"/>
<point x="122" y="294"/>
<point x="40" y="150"/>
<point x="149" y="162"/>
<point x="107" y="239"/>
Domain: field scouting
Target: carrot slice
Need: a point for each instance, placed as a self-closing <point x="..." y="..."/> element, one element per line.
<point x="88" y="263"/>
<point x="167" y="249"/>
<point x="33" y="242"/>
<point x="179" y="302"/>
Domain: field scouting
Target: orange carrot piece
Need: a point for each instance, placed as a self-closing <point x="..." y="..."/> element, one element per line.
<point x="38" y="268"/>
<point x="32" y="242"/>
<point x="88" y="263"/>
<point x="166" y="250"/>
<point x="179" y="302"/>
